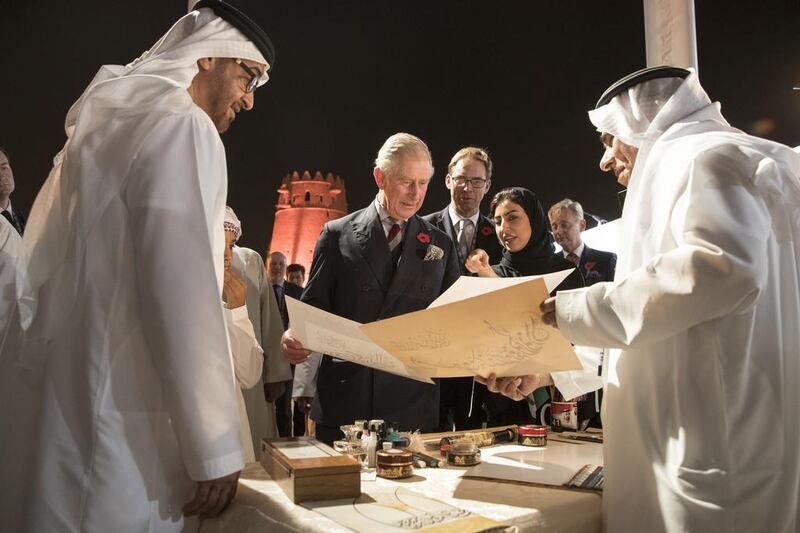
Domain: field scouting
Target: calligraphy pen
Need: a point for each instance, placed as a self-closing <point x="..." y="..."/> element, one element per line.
<point x="586" y="438"/>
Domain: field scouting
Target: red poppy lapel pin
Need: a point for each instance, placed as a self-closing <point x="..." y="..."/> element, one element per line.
<point x="589" y="265"/>
<point x="487" y="230"/>
<point x="423" y="237"/>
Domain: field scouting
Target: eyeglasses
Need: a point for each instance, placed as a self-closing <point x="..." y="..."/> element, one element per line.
<point x="475" y="183"/>
<point x="254" y="76"/>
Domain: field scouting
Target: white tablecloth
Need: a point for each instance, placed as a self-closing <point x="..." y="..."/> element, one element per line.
<point x="261" y="505"/>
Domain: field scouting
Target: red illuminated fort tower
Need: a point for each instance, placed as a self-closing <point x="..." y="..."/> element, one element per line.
<point x="304" y="205"/>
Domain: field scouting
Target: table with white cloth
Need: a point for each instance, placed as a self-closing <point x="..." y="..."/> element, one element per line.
<point x="261" y="505"/>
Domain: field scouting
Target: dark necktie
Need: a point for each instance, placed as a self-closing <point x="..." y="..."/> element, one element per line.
<point x="278" y="290"/>
<point x="394" y="236"/>
<point x="8" y="216"/>
<point x="571" y="257"/>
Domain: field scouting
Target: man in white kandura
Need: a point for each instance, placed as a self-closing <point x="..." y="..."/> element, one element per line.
<point x="248" y="357"/>
<point x="262" y="309"/>
<point x="118" y="407"/>
<point x="702" y="401"/>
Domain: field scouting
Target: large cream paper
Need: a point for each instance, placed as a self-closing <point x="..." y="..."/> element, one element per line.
<point x="475" y="328"/>
<point x="339" y="337"/>
<point x="498" y="332"/>
<point x="469" y="286"/>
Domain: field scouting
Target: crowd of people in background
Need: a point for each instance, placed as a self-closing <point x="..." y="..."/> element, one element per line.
<point x="145" y="355"/>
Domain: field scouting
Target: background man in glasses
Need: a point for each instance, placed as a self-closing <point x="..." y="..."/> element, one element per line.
<point x="296" y="273"/>
<point x="119" y="406"/>
<point x="469" y="177"/>
<point x="567" y="224"/>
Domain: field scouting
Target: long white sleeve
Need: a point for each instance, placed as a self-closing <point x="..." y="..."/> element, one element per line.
<point x="247" y="354"/>
<point x="717" y="268"/>
<point x="575" y="383"/>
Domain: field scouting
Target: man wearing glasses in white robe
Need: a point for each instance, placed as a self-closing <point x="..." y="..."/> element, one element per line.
<point x="119" y="406"/>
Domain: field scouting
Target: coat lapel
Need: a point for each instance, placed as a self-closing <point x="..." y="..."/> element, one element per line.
<point x="409" y="269"/>
<point x="447" y="224"/>
<point x="485" y="233"/>
<point x="586" y="255"/>
<point x="371" y="239"/>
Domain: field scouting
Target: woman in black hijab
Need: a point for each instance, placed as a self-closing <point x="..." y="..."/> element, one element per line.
<point x="524" y="231"/>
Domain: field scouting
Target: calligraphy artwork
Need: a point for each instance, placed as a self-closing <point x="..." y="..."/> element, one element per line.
<point x="401" y="510"/>
<point x="480" y="328"/>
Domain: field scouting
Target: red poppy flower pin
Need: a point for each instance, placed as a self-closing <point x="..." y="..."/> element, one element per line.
<point x="423" y="237"/>
<point x="487" y="230"/>
<point x="589" y="265"/>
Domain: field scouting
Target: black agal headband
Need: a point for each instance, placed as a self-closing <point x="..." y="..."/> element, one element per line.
<point x="640" y="76"/>
<point x="244" y="24"/>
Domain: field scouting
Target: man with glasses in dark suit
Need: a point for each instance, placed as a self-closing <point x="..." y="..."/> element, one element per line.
<point x="469" y="177"/>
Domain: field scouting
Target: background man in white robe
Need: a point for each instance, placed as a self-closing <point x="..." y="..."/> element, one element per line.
<point x="118" y="409"/>
<point x="246" y="353"/>
<point x="702" y="401"/>
<point x="262" y="310"/>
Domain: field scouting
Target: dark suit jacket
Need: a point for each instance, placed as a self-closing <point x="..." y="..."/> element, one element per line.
<point x="485" y="236"/>
<point x="289" y="289"/>
<point x="352" y="275"/>
<point x="597" y="265"/>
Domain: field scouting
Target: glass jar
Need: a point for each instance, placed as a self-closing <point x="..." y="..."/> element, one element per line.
<point x="356" y="449"/>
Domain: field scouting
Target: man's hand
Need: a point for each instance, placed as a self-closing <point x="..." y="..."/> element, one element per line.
<point x="478" y="263"/>
<point x="548" y="309"/>
<point x="516" y="388"/>
<point x="293" y="349"/>
<point x="303" y="403"/>
<point x="213" y="496"/>
<point x="273" y="391"/>
<point x="234" y="290"/>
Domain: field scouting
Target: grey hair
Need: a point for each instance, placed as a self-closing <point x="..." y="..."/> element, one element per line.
<point x="398" y="146"/>
<point x="566" y="203"/>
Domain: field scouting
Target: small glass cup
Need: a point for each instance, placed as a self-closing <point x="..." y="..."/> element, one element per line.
<point x="356" y="449"/>
<point x="351" y="432"/>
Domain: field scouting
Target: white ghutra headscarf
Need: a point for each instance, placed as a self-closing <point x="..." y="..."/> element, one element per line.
<point x="56" y="235"/>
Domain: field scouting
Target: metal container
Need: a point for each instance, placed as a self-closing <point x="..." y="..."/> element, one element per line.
<point x="394" y="464"/>
<point x="464" y="454"/>
<point x="533" y="436"/>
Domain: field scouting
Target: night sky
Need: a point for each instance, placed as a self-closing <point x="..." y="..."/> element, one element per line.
<point x="514" y="77"/>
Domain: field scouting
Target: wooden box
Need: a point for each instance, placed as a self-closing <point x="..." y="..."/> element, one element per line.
<point x="308" y="470"/>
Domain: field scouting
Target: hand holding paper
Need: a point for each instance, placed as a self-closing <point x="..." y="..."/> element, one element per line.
<point x="548" y="309"/>
<point x="293" y="349"/>
<point x="515" y="387"/>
